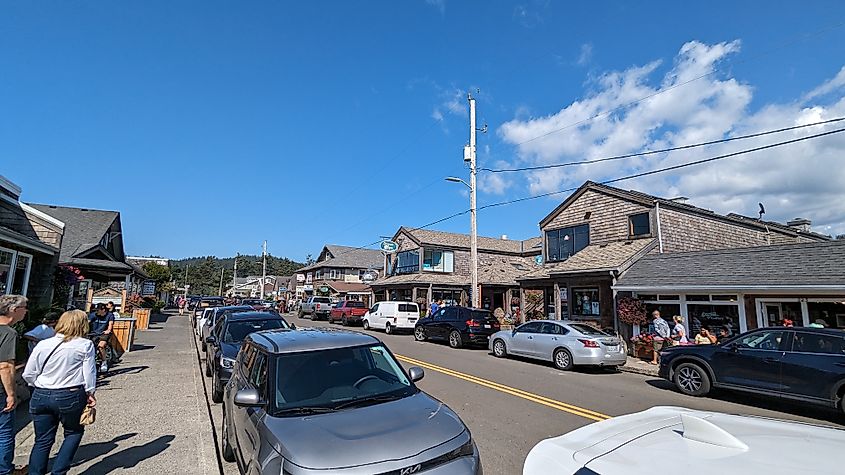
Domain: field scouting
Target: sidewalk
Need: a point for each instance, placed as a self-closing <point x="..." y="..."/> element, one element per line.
<point x="638" y="366"/>
<point x="152" y="415"/>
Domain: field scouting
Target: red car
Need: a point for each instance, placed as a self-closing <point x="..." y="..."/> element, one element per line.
<point x="347" y="311"/>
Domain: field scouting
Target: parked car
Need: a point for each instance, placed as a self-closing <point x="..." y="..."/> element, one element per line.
<point x="257" y="304"/>
<point x="203" y="303"/>
<point x="219" y="312"/>
<point x="392" y="316"/>
<point x="225" y="342"/>
<point x="316" y="307"/>
<point x="701" y="443"/>
<point x="202" y="319"/>
<point x="321" y="401"/>
<point x="458" y="325"/>
<point x="564" y="343"/>
<point x="804" y="364"/>
<point x="347" y="311"/>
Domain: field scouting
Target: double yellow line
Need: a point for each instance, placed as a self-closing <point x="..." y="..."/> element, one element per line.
<point x="554" y="404"/>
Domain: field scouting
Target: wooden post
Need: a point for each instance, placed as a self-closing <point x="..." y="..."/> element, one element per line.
<point x="413" y="294"/>
<point x="521" y="304"/>
<point x="556" y="296"/>
<point x="430" y="294"/>
<point x="89" y="299"/>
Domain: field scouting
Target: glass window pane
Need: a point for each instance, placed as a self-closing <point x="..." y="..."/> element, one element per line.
<point x="5" y="271"/>
<point x="831" y="313"/>
<point x="723" y="298"/>
<point x="817" y="343"/>
<point x="585" y="303"/>
<point x="713" y="317"/>
<point x="765" y="340"/>
<point x="448" y="261"/>
<point x="552" y="240"/>
<point x="581" y="237"/>
<point x="698" y="298"/>
<point x="639" y="224"/>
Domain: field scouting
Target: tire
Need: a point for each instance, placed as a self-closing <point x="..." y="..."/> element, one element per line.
<point x="419" y="334"/>
<point x="455" y="340"/>
<point x="562" y="359"/>
<point x="692" y="380"/>
<point x="202" y="345"/>
<point x="365" y="324"/>
<point x="228" y="452"/>
<point x="388" y="328"/>
<point x="344" y="321"/>
<point x="500" y="350"/>
<point x="207" y="367"/>
<point x="216" y="391"/>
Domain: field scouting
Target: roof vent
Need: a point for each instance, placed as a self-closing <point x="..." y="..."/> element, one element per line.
<point x="800" y="224"/>
<point x="504" y="237"/>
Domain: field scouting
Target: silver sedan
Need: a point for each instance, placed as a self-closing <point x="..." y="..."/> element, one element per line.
<point x="564" y="343"/>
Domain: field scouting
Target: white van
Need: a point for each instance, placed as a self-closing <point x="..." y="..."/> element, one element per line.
<point x="392" y="316"/>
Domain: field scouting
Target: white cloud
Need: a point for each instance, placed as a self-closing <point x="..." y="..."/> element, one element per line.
<point x="494" y="184"/>
<point x="440" y="5"/>
<point x="803" y="179"/>
<point x="586" y="54"/>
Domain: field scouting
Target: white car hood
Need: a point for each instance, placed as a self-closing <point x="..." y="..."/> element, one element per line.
<point x="653" y="441"/>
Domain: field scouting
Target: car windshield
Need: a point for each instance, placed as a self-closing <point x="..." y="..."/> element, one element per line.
<point x="237" y="331"/>
<point x="322" y="300"/>
<point x="480" y="315"/>
<point x="250" y="302"/>
<point x="338" y="378"/>
<point x="355" y="304"/>
<point x="587" y="329"/>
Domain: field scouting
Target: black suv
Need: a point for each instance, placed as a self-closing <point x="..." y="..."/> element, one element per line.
<point x="225" y="342"/>
<point x="805" y="364"/>
<point x="457" y="325"/>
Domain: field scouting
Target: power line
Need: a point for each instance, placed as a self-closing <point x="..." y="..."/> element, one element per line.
<point x="665" y="150"/>
<point x="674" y="86"/>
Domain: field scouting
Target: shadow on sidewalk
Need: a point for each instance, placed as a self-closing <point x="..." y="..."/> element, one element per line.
<point x="126" y="458"/>
<point x="92" y="451"/>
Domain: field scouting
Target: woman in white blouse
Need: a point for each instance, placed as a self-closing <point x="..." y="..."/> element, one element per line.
<point x="63" y="371"/>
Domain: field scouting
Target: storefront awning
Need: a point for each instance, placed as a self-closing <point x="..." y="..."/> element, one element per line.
<point x="19" y="239"/>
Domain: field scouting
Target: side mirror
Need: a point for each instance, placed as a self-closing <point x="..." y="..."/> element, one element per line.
<point x="292" y="326"/>
<point x="416" y="373"/>
<point x="247" y="397"/>
<point x="733" y="347"/>
<point x="513" y="332"/>
<point x="210" y="340"/>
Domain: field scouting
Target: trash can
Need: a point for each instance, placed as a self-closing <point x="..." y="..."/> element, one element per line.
<point x="123" y="334"/>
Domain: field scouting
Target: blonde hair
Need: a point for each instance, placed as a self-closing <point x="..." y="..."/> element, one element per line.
<point x="678" y="319"/>
<point x="73" y="324"/>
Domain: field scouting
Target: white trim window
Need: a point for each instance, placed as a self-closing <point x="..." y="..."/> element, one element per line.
<point x="435" y="260"/>
<point x="15" y="267"/>
<point x="335" y="274"/>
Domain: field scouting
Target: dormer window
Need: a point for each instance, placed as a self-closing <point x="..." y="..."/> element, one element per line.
<point x="562" y="243"/>
<point x="639" y="225"/>
<point x="438" y="261"/>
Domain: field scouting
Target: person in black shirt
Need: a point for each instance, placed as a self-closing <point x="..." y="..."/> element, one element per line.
<point x="102" y="323"/>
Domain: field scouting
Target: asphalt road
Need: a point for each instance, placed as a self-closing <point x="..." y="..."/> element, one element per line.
<point x="511" y="404"/>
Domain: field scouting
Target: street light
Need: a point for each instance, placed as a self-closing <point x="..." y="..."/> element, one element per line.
<point x="454" y="179"/>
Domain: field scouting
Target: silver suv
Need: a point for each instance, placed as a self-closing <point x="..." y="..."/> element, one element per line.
<point x="319" y="401"/>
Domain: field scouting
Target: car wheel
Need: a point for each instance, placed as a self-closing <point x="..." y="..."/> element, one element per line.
<point x="499" y="349"/>
<point x="216" y="390"/>
<point x="419" y="334"/>
<point x="228" y="453"/>
<point x="365" y="324"/>
<point x="388" y="328"/>
<point x="692" y="379"/>
<point x="563" y="359"/>
<point x="299" y="314"/>
<point x="344" y="321"/>
<point x="202" y="345"/>
<point x="455" y="339"/>
<point x="207" y="366"/>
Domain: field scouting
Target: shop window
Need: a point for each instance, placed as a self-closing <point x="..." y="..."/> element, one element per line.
<point x="713" y="317"/>
<point x="585" y="303"/>
<point x="698" y="298"/>
<point x="639" y="224"/>
<point x="723" y="298"/>
<point x="14" y="272"/>
<point x="21" y="277"/>
<point x="6" y="258"/>
<point x="334" y="274"/>
<point x="667" y="311"/>
<point x="438" y="261"/>
<point x="565" y="242"/>
<point x="669" y="297"/>
<point x="408" y="262"/>
<point x="831" y="313"/>
<point x="778" y="312"/>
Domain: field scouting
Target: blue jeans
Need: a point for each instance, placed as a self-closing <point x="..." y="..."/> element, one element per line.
<point x="7" y="439"/>
<point x="48" y="407"/>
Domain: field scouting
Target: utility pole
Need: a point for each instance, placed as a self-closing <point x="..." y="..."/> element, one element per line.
<point x="221" y="281"/>
<point x="476" y="297"/>
<point x="235" y="275"/>
<point x="263" y="268"/>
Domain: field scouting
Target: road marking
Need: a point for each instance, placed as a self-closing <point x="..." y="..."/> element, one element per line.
<point x="561" y="406"/>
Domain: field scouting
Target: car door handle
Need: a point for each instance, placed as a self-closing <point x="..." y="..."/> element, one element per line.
<point x="771" y="360"/>
<point x="554" y="338"/>
<point x="530" y="337"/>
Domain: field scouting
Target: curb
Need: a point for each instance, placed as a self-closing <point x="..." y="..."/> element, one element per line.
<point x="635" y="370"/>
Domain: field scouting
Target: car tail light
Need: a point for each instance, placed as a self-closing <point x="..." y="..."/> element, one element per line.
<point x="589" y="343"/>
<point x="473" y="323"/>
<point x="318" y="307"/>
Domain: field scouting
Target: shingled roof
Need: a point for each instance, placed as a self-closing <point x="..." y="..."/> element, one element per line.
<point x="84" y="228"/>
<point x="611" y="256"/>
<point x="781" y="266"/>
<point x="348" y="257"/>
<point x="457" y="240"/>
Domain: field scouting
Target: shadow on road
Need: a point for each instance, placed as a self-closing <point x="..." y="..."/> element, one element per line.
<point x="769" y="403"/>
<point x="89" y="452"/>
<point x="142" y="347"/>
<point x="130" y="456"/>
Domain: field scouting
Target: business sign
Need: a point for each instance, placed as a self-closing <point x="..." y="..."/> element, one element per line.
<point x="369" y="276"/>
<point x="300" y="277"/>
<point x="389" y="246"/>
<point x="309" y="278"/>
<point x="538" y="260"/>
<point x="148" y="287"/>
<point x="324" y="288"/>
<point x="308" y="288"/>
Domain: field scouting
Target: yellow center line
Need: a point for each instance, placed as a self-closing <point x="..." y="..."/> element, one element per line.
<point x="561" y="406"/>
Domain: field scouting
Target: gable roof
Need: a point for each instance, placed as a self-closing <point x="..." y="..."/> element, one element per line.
<point x="84" y="228"/>
<point x="348" y="257"/>
<point x="427" y="237"/>
<point x="611" y="256"/>
<point x="646" y="199"/>
<point x="779" y="266"/>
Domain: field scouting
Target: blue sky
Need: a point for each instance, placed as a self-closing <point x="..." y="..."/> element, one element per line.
<point x="213" y="125"/>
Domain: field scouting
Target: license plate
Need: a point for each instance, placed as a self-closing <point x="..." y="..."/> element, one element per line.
<point x="412" y="320"/>
<point x="486" y="326"/>
<point x="613" y="348"/>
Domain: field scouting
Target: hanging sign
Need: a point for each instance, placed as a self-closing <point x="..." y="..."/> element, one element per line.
<point x="389" y="246"/>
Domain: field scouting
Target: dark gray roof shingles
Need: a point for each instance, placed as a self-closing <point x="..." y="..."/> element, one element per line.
<point x="83" y="227"/>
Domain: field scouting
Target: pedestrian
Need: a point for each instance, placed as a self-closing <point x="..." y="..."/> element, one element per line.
<point x="12" y="310"/>
<point x="181" y="304"/>
<point x="101" y="325"/>
<point x="724" y="334"/>
<point x="704" y="337"/>
<point x="43" y="331"/>
<point x="63" y="370"/>
<point x="662" y="335"/>
<point x="112" y="310"/>
<point x="434" y="307"/>
<point x="679" y="333"/>
<point x="818" y="323"/>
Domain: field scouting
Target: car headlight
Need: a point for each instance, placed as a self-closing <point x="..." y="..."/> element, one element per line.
<point x="227" y="363"/>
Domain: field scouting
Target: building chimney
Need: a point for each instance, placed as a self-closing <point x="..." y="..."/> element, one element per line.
<point x="800" y="224"/>
<point x="504" y="237"/>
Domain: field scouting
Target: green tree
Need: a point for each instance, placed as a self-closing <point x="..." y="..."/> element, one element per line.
<point x="162" y="275"/>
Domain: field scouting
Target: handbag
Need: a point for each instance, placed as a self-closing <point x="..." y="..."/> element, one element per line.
<point x="89" y="415"/>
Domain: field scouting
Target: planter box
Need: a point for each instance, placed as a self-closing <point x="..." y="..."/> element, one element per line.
<point x="123" y="335"/>
<point x="644" y="351"/>
<point x="142" y="315"/>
